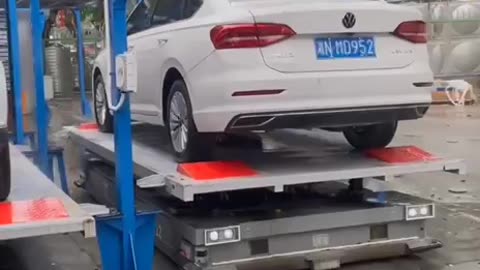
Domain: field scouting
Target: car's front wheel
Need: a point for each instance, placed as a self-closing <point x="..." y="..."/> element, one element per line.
<point x="102" y="114"/>
<point x="187" y="143"/>
<point x="371" y="136"/>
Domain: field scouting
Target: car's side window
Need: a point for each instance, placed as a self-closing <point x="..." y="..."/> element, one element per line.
<point x="168" y="11"/>
<point x="131" y="4"/>
<point x="139" y="18"/>
<point x="191" y="7"/>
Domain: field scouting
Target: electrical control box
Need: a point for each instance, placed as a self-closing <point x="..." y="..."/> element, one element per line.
<point x="126" y="72"/>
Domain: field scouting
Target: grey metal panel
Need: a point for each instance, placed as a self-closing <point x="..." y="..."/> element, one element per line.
<point x="303" y="244"/>
<point x="228" y="252"/>
<point x="306" y="241"/>
<point x="28" y="183"/>
<point x="331" y="258"/>
<point x="405" y="229"/>
<point x="306" y="223"/>
<point x="299" y="164"/>
<point x="339" y="220"/>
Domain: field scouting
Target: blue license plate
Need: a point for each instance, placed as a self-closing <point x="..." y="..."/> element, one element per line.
<point x="345" y="47"/>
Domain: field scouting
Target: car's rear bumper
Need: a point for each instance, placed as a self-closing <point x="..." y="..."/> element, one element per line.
<point x="326" y="118"/>
<point x="217" y="104"/>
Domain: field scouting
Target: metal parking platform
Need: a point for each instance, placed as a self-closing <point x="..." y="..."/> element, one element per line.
<point x="248" y="167"/>
<point x="269" y="208"/>
<point x="36" y="206"/>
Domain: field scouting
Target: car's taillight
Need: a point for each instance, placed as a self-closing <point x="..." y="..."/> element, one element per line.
<point x="413" y="31"/>
<point x="258" y="35"/>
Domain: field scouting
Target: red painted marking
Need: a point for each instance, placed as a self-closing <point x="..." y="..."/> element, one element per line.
<point x="204" y="171"/>
<point x="31" y="211"/>
<point x="405" y="154"/>
<point x="88" y="127"/>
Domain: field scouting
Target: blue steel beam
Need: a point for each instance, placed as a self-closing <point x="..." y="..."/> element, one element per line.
<point x="43" y="19"/>
<point x="122" y="120"/>
<point x="126" y="241"/>
<point x="43" y="23"/>
<point x="123" y="138"/>
<point x="41" y="110"/>
<point x="16" y="68"/>
<point x="86" y="109"/>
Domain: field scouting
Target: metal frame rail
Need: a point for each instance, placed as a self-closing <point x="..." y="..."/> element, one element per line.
<point x="276" y="171"/>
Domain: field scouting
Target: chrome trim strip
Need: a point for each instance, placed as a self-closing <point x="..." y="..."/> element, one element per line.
<point x="275" y="115"/>
<point x="252" y="126"/>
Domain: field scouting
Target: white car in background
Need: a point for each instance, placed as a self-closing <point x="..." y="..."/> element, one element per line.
<point x="4" y="138"/>
<point x="229" y="66"/>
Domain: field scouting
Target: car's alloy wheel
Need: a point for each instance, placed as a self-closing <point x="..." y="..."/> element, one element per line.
<point x="100" y="104"/>
<point x="102" y="114"/>
<point x="178" y="122"/>
<point x="188" y="145"/>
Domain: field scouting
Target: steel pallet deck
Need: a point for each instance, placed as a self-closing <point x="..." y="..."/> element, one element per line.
<point x="36" y="206"/>
<point x="301" y="160"/>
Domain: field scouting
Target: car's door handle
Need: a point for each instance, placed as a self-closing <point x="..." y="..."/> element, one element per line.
<point x="131" y="47"/>
<point x="161" y="42"/>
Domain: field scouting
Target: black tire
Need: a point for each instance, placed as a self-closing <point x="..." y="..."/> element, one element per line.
<point x="98" y="91"/>
<point x="198" y="147"/>
<point x="5" y="175"/>
<point x="372" y="136"/>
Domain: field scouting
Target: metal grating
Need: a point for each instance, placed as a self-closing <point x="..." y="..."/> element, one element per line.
<point x="4" y="45"/>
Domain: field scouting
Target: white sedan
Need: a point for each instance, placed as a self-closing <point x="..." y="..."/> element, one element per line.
<point x="228" y="66"/>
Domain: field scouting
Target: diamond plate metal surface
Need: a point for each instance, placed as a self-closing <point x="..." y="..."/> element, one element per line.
<point x="32" y="211"/>
<point x="404" y="154"/>
<point x="215" y="170"/>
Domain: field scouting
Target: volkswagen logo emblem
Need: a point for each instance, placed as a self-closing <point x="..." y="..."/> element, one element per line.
<point x="349" y="20"/>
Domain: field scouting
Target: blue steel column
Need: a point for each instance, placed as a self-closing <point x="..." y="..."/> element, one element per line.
<point x="122" y="123"/>
<point x="126" y="241"/>
<point x="123" y="137"/>
<point x="43" y="24"/>
<point x="16" y="68"/>
<point x="86" y="109"/>
<point x="41" y="105"/>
